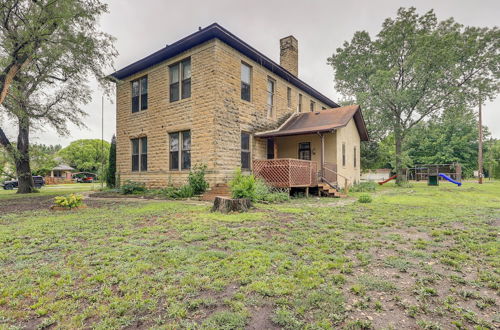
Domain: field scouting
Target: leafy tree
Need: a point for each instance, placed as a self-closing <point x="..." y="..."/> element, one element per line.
<point x="86" y="155"/>
<point x="111" y="172"/>
<point x="450" y="138"/>
<point x="415" y="68"/>
<point x="52" y="85"/>
<point x="43" y="158"/>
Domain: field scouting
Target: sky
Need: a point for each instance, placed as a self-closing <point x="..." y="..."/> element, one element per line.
<point x="321" y="26"/>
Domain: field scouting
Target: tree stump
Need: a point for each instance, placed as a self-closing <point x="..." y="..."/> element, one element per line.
<point x="226" y="204"/>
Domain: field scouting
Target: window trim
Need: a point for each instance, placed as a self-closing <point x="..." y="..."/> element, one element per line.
<point x="312" y="106"/>
<point x="304" y="149"/>
<point x="247" y="151"/>
<point x="355" y="156"/>
<point x="180" y="80"/>
<point x="249" y="84"/>
<point x="270" y="107"/>
<point x="140" y="94"/>
<point x="139" y="154"/>
<point x="344" y="161"/>
<point x="180" y="150"/>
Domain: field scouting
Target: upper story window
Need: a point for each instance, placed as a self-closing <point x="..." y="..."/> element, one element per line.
<point x="245" y="151"/>
<point x="312" y="106"/>
<point x="180" y="80"/>
<point x="300" y="102"/>
<point x="323" y="108"/>
<point x="246" y="78"/>
<point x="289" y="97"/>
<point x="140" y="94"/>
<point x="140" y="154"/>
<point x="180" y="150"/>
<point x="270" y="96"/>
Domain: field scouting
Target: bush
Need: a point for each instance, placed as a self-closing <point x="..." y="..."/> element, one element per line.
<point x="197" y="179"/>
<point x="70" y="202"/>
<point x="132" y="187"/>
<point x="364" y="187"/>
<point x="247" y="186"/>
<point x="243" y="186"/>
<point x="365" y="198"/>
<point x="185" y="191"/>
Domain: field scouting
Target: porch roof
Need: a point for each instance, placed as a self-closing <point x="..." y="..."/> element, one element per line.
<point x="319" y="122"/>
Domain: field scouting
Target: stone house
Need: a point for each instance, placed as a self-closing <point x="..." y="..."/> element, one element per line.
<point x="210" y="98"/>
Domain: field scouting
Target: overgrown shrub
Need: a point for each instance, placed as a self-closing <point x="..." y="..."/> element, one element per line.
<point x="132" y="188"/>
<point x="197" y="179"/>
<point x="70" y="202"/>
<point x="247" y="186"/>
<point x="172" y="192"/>
<point x="243" y="186"/>
<point x="364" y="187"/>
<point x="365" y="198"/>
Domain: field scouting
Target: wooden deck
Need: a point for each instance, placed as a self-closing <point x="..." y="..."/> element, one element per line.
<point x="287" y="172"/>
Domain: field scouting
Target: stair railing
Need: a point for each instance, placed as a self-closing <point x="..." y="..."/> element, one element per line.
<point x="336" y="175"/>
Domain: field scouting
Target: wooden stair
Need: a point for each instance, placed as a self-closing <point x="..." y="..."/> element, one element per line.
<point x="217" y="190"/>
<point x="330" y="191"/>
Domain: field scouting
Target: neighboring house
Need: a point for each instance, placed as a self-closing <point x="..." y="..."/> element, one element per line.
<point x="211" y="98"/>
<point x="60" y="173"/>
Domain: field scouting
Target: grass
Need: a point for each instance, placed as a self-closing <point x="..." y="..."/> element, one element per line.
<point x="425" y="255"/>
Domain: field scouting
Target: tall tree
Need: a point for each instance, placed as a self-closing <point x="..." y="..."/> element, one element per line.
<point x="414" y="68"/>
<point x="53" y="84"/>
<point x="86" y="155"/>
<point x="111" y="172"/>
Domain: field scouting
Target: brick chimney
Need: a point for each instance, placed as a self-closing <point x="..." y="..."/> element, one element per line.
<point x="289" y="54"/>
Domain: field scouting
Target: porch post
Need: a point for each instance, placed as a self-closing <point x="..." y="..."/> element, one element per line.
<point x="275" y="146"/>
<point x="322" y="171"/>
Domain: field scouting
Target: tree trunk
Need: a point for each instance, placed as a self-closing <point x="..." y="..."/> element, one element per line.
<point x="398" y="140"/>
<point x="226" y="205"/>
<point x="22" y="158"/>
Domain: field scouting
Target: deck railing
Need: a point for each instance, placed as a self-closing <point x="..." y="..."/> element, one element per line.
<point x="287" y="172"/>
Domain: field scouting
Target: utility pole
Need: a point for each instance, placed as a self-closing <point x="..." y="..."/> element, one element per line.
<point x="480" y="147"/>
<point x="102" y="143"/>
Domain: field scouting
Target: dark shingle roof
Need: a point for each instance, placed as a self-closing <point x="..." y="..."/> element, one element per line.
<point x="216" y="31"/>
<point x="320" y="121"/>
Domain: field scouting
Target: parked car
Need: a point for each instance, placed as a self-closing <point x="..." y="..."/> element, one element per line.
<point x="39" y="181"/>
<point x="86" y="179"/>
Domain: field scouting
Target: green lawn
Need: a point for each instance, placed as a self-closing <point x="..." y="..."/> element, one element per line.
<point x="420" y="257"/>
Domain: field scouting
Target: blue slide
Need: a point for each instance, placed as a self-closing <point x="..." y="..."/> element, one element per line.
<point x="450" y="179"/>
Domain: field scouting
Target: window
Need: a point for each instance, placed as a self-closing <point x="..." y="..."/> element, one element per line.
<point x="289" y="97"/>
<point x="140" y="94"/>
<point x="245" y="151"/>
<point x="270" y="97"/>
<point x="305" y="150"/>
<point x="180" y="80"/>
<point x="140" y="154"/>
<point x="355" y="160"/>
<point x="323" y="108"/>
<point x="180" y="150"/>
<point x="312" y="106"/>
<point x="270" y="148"/>
<point x="300" y="102"/>
<point x="246" y="76"/>
<point x="343" y="154"/>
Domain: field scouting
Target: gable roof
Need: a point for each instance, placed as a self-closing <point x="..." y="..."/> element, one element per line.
<point x="63" y="167"/>
<point x="320" y="121"/>
<point x="216" y="31"/>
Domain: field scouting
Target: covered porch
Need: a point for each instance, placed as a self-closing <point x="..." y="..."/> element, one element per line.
<point x="305" y="151"/>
